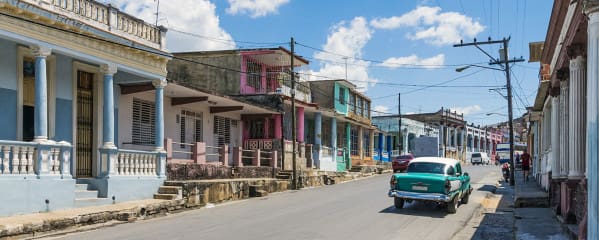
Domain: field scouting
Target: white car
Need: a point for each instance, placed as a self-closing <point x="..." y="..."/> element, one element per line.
<point x="480" y="158"/>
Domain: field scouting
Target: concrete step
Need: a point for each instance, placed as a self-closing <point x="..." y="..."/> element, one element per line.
<point x="260" y="193"/>
<point x="81" y="187"/>
<point x="165" y="196"/>
<point x="170" y="190"/>
<point x="85" y="194"/>
<point x="87" y="202"/>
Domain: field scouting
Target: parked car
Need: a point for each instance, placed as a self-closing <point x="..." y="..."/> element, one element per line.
<point x="431" y="179"/>
<point x="480" y="158"/>
<point x="400" y="163"/>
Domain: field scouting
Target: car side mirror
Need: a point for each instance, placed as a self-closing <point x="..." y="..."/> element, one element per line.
<point x="466" y="174"/>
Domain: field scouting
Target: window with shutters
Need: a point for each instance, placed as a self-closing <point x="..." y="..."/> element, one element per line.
<point x="144" y="115"/>
<point x="191" y="126"/>
<point x="222" y="130"/>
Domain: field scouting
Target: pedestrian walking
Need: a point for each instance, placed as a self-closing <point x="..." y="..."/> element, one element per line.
<point x="525" y="164"/>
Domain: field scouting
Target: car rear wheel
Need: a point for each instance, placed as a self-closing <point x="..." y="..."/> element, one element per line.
<point x="398" y="202"/>
<point x="465" y="198"/>
<point x="452" y="207"/>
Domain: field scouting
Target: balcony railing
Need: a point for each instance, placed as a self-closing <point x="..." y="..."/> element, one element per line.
<point x="252" y="144"/>
<point x="106" y="18"/>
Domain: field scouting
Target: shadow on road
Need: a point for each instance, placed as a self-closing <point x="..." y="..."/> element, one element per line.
<point x="498" y="216"/>
<point x="416" y="208"/>
<point x="487" y="188"/>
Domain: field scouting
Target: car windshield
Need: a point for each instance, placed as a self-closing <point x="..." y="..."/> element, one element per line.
<point x="476" y="155"/>
<point x="426" y="167"/>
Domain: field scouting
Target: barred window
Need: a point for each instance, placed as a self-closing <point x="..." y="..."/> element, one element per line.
<point x="341" y="95"/>
<point x="366" y="144"/>
<point x="254" y="73"/>
<point x="143" y="125"/>
<point x="191" y="127"/>
<point x="354" y="142"/>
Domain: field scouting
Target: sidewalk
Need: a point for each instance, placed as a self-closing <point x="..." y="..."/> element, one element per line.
<point x="499" y="219"/>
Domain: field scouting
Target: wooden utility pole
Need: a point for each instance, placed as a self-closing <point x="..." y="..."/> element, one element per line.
<point x="293" y="120"/>
<point x="502" y="60"/>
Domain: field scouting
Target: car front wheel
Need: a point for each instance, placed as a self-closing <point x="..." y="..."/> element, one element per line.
<point x="452" y="207"/>
<point x="398" y="202"/>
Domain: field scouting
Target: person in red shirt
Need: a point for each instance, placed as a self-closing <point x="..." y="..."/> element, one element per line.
<point x="525" y="158"/>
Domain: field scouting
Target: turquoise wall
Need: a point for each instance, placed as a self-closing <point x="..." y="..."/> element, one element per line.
<point x="341" y="108"/>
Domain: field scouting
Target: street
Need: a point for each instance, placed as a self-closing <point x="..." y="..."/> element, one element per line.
<point x="352" y="210"/>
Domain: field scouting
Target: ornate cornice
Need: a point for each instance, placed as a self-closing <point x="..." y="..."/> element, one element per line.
<point x="138" y="59"/>
<point x="108" y="69"/>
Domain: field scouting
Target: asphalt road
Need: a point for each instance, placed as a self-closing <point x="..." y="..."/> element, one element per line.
<point x="352" y="210"/>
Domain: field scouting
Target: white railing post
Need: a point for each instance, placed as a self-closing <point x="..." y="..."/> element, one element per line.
<point x="65" y="157"/>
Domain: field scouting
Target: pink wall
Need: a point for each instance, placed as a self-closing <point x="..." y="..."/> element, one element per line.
<point x="278" y="130"/>
<point x="300" y="124"/>
<point x="267" y="128"/>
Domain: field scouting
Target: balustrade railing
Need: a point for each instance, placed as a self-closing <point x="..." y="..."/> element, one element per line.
<point x="106" y="18"/>
<point x="31" y="158"/>
<point x="258" y="144"/>
<point x="213" y="154"/>
<point x="136" y="163"/>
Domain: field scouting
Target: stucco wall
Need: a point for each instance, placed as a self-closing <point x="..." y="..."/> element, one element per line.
<point x="205" y="77"/>
<point x="341" y="108"/>
<point x="29" y="195"/>
<point x="8" y="93"/>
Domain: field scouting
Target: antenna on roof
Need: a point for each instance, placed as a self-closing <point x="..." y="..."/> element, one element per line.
<point x="157" y="7"/>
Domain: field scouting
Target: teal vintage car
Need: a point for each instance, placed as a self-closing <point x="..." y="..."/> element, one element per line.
<point x="432" y="179"/>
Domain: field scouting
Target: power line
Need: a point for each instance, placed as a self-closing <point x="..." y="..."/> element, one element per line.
<point x="222" y="40"/>
<point x="379" y="61"/>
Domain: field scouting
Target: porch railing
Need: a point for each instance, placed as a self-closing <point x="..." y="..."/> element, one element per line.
<point x="326" y="151"/>
<point x="213" y="154"/>
<point x="258" y="144"/>
<point x="136" y="163"/>
<point x="31" y="158"/>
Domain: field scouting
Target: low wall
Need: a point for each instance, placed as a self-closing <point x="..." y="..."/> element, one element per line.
<point x="194" y="171"/>
<point x="201" y="192"/>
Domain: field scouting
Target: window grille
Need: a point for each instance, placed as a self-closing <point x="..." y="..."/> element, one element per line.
<point x="144" y="117"/>
<point x="354" y="141"/>
<point x="190" y="123"/>
<point x="254" y="73"/>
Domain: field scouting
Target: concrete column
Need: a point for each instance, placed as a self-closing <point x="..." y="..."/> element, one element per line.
<point x="278" y="129"/>
<point x="563" y="130"/>
<point x="441" y="140"/>
<point x="300" y="124"/>
<point x="41" y="93"/>
<point x="555" y="137"/>
<point x="405" y="141"/>
<point x="159" y="101"/>
<point x="577" y="118"/>
<point x="381" y="148"/>
<point x="334" y="135"/>
<point x="592" y="148"/>
<point x="317" y="130"/>
<point x="455" y="137"/>
<point x="108" y="107"/>
<point x="361" y="142"/>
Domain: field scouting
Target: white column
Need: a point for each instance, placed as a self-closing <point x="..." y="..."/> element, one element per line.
<point x="592" y="150"/>
<point x="563" y="129"/>
<point x="577" y="118"/>
<point x="555" y="137"/>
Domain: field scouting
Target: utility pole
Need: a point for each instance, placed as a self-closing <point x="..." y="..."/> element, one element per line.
<point x="503" y="60"/>
<point x="293" y="120"/>
<point x="399" y="134"/>
<point x="157" y="8"/>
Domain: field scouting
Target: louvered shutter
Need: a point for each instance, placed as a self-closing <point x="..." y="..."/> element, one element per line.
<point x="144" y="115"/>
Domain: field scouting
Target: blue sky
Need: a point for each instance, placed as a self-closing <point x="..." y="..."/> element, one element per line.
<point x="378" y="38"/>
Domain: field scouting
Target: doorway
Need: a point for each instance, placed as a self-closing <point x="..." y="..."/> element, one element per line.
<point x="85" y="123"/>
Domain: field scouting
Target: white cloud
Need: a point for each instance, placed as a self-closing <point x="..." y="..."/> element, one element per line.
<point x="413" y="60"/>
<point x="432" y="25"/>
<point x="255" y="8"/>
<point x="380" y="110"/>
<point x="466" y="110"/>
<point x="346" y="39"/>
<point x="190" y="16"/>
